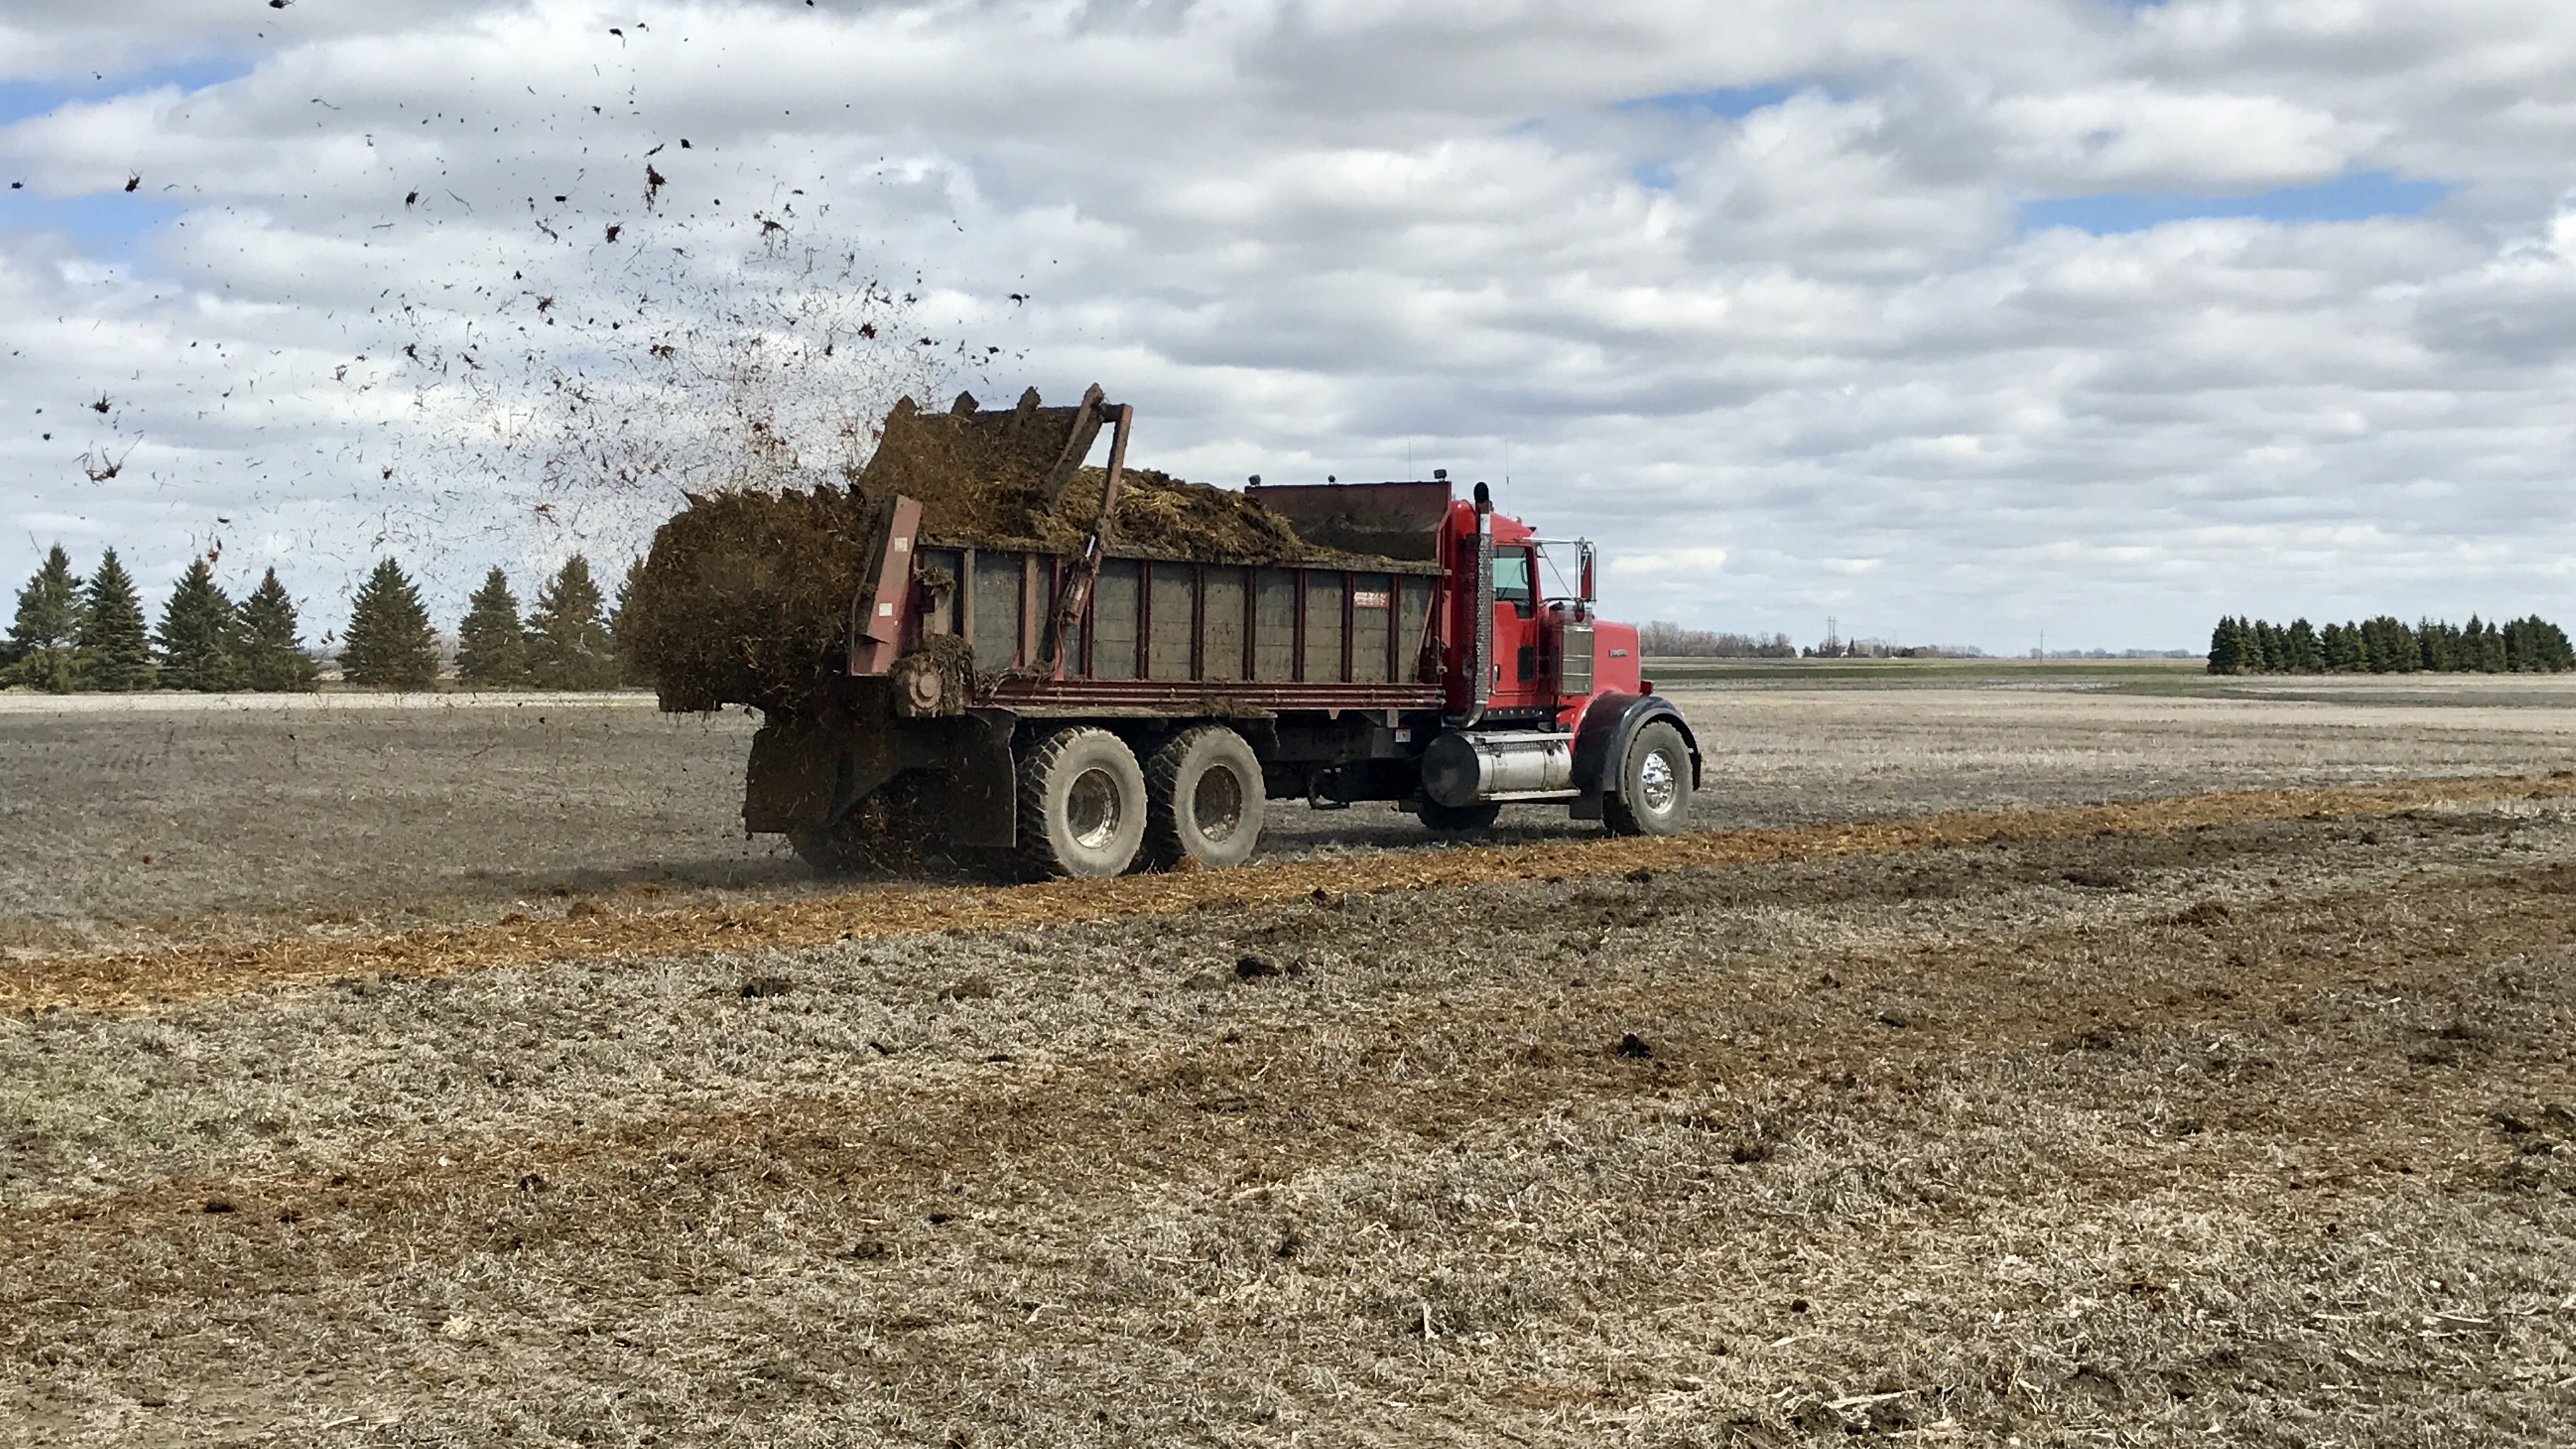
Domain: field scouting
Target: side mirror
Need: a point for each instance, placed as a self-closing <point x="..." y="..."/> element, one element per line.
<point x="1588" y="594"/>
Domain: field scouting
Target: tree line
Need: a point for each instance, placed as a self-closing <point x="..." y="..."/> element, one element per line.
<point x="567" y="641"/>
<point x="1668" y="640"/>
<point x="2387" y="646"/>
<point x="74" y="634"/>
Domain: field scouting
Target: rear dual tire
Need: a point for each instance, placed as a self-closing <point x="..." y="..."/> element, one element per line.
<point x="1088" y="810"/>
<point x="1082" y="806"/>
<point x="1204" y="799"/>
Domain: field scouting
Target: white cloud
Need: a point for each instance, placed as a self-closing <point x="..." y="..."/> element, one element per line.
<point x="1316" y="238"/>
<point x="2139" y="137"/>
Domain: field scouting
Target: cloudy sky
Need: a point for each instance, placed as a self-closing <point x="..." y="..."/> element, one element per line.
<point x="1955" y="320"/>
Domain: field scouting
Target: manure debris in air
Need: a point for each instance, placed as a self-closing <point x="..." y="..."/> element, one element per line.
<point x="746" y="594"/>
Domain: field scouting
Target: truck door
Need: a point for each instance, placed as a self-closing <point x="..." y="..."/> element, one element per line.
<point x="1518" y="661"/>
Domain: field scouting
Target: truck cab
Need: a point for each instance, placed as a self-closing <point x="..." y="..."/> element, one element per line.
<point x="1541" y="702"/>
<point x="1550" y="658"/>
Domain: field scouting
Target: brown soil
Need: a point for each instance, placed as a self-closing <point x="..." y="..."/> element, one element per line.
<point x="2257" y="1122"/>
<point x="135" y="821"/>
<point x="150" y="978"/>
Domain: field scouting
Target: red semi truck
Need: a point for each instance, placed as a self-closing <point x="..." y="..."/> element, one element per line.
<point x="1123" y="709"/>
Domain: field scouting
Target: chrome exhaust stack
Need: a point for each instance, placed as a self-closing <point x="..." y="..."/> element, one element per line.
<point x="1480" y="653"/>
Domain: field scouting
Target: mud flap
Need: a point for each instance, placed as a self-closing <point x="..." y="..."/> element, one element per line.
<point x="806" y="770"/>
<point x="794" y="778"/>
<point x="983" y="806"/>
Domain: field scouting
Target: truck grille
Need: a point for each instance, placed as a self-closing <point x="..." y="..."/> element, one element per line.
<point x="1574" y="659"/>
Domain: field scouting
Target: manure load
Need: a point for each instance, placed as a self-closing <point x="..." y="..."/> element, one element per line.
<point x="747" y="595"/>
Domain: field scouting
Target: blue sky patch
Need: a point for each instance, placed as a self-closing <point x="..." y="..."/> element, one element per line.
<point x="105" y="227"/>
<point x="1654" y="176"/>
<point x="21" y="99"/>
<point x="1732" y="102"/>
<point x="2356" y="197"/>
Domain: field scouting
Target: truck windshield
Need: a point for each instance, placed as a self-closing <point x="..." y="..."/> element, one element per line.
<point x="1512" y="578"/>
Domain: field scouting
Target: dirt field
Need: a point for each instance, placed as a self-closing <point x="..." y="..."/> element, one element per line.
<point x="139" y="818"/>
<point x="2249" y="1118"/>
<point x="258" y="813"/>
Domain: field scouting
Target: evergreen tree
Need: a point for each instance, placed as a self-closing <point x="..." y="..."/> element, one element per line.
<point x="630" y="669"/>
<point x="272" y="658"/>
<point x="2494" y="656"/>
<point x="2271" y="656"/>
<point x="2536" y="645"/>
<point x="2481" y="646"/>
<point x="2437" y="645"/>
<point x="44" y="639"/>
<point x="2341" y="644"/>
<point x="201" y="639"/>
<point x="115" y="645"/>
<point x="491" y="650"/>
<point x="389" y="644"/>
<point x="567" y="640"/>
<point x="2306" y="656"/>
<point x="2517" y="645"/>
<point x="2387" y="646"/>
<point x="2406" y="645"/>
<point x="2226" y="648"/>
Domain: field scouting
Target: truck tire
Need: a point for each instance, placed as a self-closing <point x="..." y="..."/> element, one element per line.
<point x="1203" y="799"/>
<point x="1082" y="805"/>
<point x="1654" y="791"/>
<point x="1459" y="819"/>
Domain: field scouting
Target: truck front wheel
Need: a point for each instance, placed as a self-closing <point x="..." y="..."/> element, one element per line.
<point x="1654" y="791"/>
<point x="1082" y="805"/>
<point x="1203" y="799"/>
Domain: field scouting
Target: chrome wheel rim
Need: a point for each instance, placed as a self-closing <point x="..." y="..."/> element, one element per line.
<point x="1091" y="810"/>
<point x="1216" y="806"/>
<point x="1658" y="783"/>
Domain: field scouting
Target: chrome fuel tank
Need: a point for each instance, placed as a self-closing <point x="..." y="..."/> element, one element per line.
<point x="1466" y="769"/>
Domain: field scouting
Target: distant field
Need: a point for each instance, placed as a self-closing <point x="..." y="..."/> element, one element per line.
<point x="1897" y="673"/>
<point x="2178" y="677"/>
<point x="255" y="812"/>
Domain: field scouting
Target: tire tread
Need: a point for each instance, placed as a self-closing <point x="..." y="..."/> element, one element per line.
<point x="1616" y="812"/>
<point x="1033" y="854"/>
<point x="1163" y="846"/>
